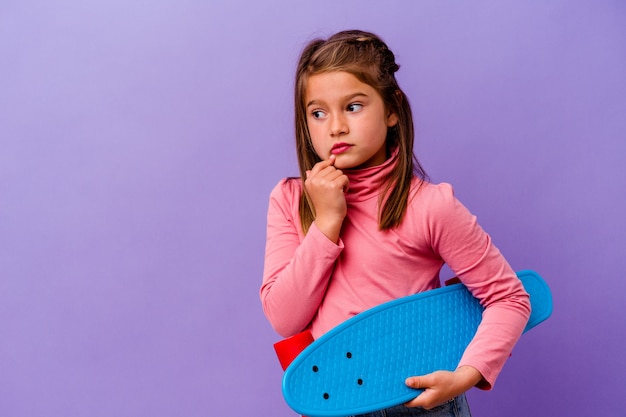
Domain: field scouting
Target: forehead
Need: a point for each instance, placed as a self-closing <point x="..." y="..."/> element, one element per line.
<point x="335" y="85"/>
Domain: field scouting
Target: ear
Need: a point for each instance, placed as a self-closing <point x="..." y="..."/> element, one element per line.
<point x="392" y="120"/>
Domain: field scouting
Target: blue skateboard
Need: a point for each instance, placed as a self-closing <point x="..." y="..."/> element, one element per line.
<point x="360" y="366"/>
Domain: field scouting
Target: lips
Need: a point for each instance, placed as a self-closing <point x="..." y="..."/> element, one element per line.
<point x="340" y="148"/>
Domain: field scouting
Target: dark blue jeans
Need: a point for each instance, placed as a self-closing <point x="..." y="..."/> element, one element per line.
<point x="456" y="407"/>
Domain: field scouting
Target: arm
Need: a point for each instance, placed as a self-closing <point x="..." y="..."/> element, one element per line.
<point x="297" y="271"/>
<point x="458" y="239"/>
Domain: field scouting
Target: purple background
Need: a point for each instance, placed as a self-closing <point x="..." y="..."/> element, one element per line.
<point x="139" y="141"/>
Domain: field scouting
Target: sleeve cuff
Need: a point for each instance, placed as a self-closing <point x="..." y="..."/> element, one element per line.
<point x="321" y="238"/>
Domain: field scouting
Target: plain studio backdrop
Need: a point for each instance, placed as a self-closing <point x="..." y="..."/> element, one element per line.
<point x="139" y="141"/>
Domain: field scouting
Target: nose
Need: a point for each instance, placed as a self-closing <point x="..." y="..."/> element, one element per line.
<point x="338" y="126"/>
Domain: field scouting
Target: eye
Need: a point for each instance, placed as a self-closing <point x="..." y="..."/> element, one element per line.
<point x="317" y="114"/>
<point x="354" y="107"/>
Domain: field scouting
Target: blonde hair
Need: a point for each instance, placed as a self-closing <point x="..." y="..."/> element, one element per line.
<point x="368" y="58"/>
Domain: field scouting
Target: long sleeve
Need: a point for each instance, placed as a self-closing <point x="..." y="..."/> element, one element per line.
<point x="309" y="282"/>
<point x="470" y="253"/>
<point x="297" y="267"/>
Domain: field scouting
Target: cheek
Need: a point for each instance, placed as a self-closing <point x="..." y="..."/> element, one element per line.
<point x="378" y="132"/>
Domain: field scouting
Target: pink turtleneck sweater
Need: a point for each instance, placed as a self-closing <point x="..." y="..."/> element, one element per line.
<point x="311" y="283"/>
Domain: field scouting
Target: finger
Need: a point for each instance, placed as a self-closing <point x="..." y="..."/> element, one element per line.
<point x="325" y="163"/>
<point x="331" y="173"/>
<point x="328" y="162"/>
<point x="426" y="400"/>
<point x="345" y="183"/>
<point x="329" y="177"/>
<point x="418" y="382"/>
<point x="336" y="177"/>
<point x="320" y="166"/>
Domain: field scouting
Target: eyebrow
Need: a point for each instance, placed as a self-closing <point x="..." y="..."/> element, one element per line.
<point x="346" y="98"/>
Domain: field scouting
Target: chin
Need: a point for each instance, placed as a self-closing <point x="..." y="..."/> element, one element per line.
<point x="345" y="164"/>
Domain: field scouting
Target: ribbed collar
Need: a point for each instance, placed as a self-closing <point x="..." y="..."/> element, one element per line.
<point x="365" y="183"/>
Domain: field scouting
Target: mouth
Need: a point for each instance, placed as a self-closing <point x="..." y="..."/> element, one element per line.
<point x="340" y="148"/>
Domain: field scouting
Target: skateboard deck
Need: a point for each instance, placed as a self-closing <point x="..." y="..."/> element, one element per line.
<point x="360" y="366"/>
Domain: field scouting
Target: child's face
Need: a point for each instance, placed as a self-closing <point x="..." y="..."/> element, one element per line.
<point x="348" y="119"/>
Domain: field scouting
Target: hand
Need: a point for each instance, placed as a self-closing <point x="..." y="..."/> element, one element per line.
<point x="326" y="186"/>
<point x="442" y="386"/>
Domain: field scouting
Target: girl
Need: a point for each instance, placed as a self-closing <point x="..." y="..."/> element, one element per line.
<point x="362" y="225"/>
